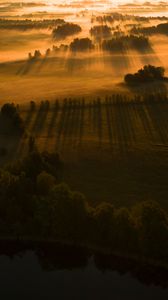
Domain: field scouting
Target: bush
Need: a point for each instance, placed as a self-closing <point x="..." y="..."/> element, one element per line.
<point x="45" y="182"/>
<point x="147" y="74"/>
<point x="121" y="43"/>
<point x="81" y="44"/>
<point x="12" y="122"/>
<point x="65" y="30"/>
<point x="100" y="31"/>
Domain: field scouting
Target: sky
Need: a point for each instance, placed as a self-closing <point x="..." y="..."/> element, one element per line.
<point x="114" y="2"/>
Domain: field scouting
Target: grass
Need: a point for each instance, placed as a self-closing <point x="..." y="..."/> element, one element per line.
<point x="113" y="151"/>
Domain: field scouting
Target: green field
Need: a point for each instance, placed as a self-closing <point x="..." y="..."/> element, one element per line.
<point x="114" y="149"/>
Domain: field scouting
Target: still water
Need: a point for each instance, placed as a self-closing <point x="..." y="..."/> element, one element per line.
<point x="25" y="277"/>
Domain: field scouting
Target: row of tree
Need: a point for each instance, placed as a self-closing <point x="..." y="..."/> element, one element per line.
<point x="29" y="24"/>
<point x="115" y="44"/>
<point x="121" y="43"/>
<point x="113" y="17"/>
<point x="151" y="30"/>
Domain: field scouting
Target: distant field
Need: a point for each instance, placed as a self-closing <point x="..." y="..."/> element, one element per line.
<point x="97" y="74"/>
<point x="114" y="149"/>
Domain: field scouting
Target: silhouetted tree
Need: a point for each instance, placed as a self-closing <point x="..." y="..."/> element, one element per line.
<point x="68" y="29"/>
<point x="83" y="44"/>
<point x="147" y="74"/>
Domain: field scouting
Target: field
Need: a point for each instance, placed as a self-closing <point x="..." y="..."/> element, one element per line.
<point x="63" y="73"/>
<point x="84" y="129"/>
<point x="114" y="149"/>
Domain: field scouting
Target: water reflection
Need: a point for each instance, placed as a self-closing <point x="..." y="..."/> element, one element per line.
<point x="58" y="272"/>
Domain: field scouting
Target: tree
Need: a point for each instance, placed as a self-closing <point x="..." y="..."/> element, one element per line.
<point x="37" y="54"/>
<point x="100" y="31"/>
<point x="45" y="183"/>
<point x="147" y="74"/>
<point x="153" y="224"/>
<point x="8" y="110"/>
<point x="68" y="29"/>
<point x="103" y="217"/>
<point x="125" y="231"/>
<point x="12" y="121"/>
<point x="83" y="44"/>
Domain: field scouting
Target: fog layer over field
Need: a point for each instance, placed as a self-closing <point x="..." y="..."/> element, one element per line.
<point x="63" y="72"/>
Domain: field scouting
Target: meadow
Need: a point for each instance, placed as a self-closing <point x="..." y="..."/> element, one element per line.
<point x="113" y="148"/>
<point x="112" y="138"/>
<point x="27" y="27"/>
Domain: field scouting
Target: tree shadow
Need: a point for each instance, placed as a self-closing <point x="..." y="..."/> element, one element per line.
<point x="108" y="120"/>
<point x="120" y="62"/>
<point x="156" y="87"/>
<point x="73" y="132"/>
<point x="158" y="119"/>
<point x="97" y="120"/>
<point x="67" y="128"/>
<point x="82" y="121"/>
<point x="29" y="116"/>
<point x="41" y="115"/>
<point x="145" y="122"/>
<point x="52" y="123"/>
<point x="27" y="66"/>
<point x="61" y="123"/>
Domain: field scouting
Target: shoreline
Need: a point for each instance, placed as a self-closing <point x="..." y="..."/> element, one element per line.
<point x="29" y="242"/>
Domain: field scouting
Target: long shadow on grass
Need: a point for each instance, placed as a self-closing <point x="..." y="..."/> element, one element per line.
<point x="82" y="121"/>
<point x="29" y="116"/>
<point x="126" y="118"/>
<point x="62" y="120"/>
<point x="27" y="66"/>
<point x="97" y="120"/>
<point x="67" y="128"/>
<point x="109" y="120"/>
<point x="73" y="126"/>
<point x="52" y="124"/>
<point x="156" y="116"/>
<point x="122" y="132"/>
<point x="155" y="87"/>
<point x="39" y="122"/>
<point x="145" y="122"/>
<point x="120" y="123"/>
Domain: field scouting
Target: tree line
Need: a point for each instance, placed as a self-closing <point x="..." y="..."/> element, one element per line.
<point x="113" y="17"/>
<point x="120" y="43"/>
<point x="115" y="44"/>
<point x="65" y="30"/>
<point x="28" y="24"/>
<point x="151" y="30"/>
<point x="35" y="203"/>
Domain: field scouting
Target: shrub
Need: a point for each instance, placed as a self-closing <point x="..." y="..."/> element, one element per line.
<point x="68" y="29"/>
<point x="83" y="44"/>
<point x="147" y="74"/>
